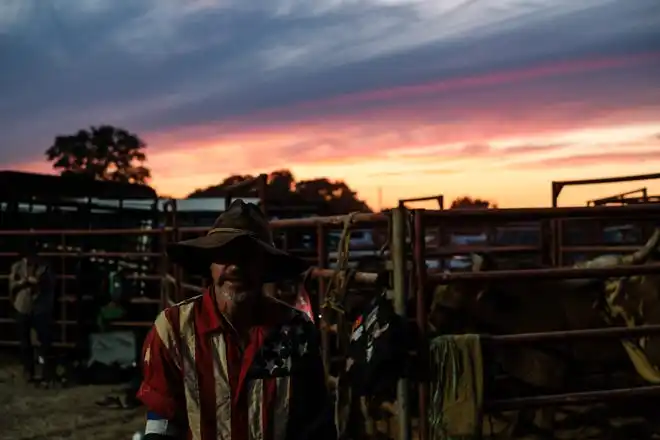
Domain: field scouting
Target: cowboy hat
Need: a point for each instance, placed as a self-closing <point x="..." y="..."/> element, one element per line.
<point x="237" y="232"/>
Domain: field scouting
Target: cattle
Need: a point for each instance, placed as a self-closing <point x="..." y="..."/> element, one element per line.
<point x="530" y="306"/>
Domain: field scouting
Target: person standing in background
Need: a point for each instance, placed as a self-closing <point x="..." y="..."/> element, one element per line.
<point x="31" y="291"/>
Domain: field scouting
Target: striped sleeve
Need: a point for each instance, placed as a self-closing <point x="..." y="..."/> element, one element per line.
<point x="161" y="390"/>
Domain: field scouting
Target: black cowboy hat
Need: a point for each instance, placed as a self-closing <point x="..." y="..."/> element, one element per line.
<point x="237" y="232"/>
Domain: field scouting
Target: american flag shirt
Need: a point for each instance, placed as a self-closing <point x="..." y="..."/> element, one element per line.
<point x="203" y="386"/>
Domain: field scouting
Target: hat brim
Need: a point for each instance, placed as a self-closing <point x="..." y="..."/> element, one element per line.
<point x="197" y="254"/>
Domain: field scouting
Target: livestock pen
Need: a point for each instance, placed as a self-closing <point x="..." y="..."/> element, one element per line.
<point x="408" y="255"/>
<point x="551" y="251"/>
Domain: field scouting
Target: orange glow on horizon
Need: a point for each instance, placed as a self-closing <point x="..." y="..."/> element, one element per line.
<point x="501" y="174"/>
<point x="504" y="145"/>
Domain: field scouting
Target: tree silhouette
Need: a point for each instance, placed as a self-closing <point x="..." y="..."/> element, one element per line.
<point x="466" y="202"/>
<point x="281" y="182"/>
<point x="336" y="195"/>
<point x="102" y="153"/>
<point x="220" y="190"/>
<point x="331" y="197"/>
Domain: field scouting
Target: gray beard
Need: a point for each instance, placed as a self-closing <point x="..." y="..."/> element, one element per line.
<point x="235" y="297"/>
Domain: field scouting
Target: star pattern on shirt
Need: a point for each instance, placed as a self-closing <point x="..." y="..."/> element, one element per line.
<point x="282" y="349"/>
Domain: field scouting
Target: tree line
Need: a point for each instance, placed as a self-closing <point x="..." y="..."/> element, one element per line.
<point x="114" y="154"/>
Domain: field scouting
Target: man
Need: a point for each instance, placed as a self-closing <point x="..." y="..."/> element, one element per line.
<point x="32" y="294"/>
<point x="234" y="363"/>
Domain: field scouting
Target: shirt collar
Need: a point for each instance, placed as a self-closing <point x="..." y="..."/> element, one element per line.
<point x="209" y="317"/>
<point x="211" y="320"/>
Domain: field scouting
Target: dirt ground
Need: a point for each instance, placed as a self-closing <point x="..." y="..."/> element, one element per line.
<point x="28" y="413"/>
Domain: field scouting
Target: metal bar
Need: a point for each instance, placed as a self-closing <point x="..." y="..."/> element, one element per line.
<point x="558" y="186"/>
<point x="29" y="232"/>
<point x="418" y="199"/>
<point x="63" y="292"/>
<point x="309" y="222"/>
<point x="337" y="220"/>
<point x="54" y="344"/>
<point x="602" y="249"/>
<point x="439" y="198"/>
<point x="87" y="204"/>
<point x="535" y="214"/>
<point x="545" y="244"/>
<point x="163" y="267"/>
<point x="609" y="179"/>
<point x="419" y="252"/>
<point x="553" y="273"/>
<point x="398" y="248"/>
<point x="176" y="235"/>
<point x="560" y="242"/>
<point x="572" y="398"/>
<point x="88" y="254"/>
<point x="617" y="197"/>
<point x="322" y="261"/>
<point x="359" y="277"/>
<point x="596" y="333"/>
<point x="467" y="249"/>
<point x="73" y="277"/>
<point x="631" y="211"/>
<point x="131" y="324"/>
<point x="631" y="200"/>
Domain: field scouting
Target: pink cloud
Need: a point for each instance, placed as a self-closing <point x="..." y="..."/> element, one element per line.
<point x="424" y="133"/>
<point x="408" y="92"/>
<point x="590" y="159"/>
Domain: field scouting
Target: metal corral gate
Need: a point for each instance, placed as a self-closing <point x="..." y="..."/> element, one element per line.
<point x="407" y="244"/>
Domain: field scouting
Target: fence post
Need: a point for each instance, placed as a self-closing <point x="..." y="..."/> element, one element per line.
<point x="419" y="253"/>
<point x="63" y="294"/>
<point x="398" y="249"/>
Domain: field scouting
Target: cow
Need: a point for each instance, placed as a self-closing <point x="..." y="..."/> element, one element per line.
<point x="530" y="306"/>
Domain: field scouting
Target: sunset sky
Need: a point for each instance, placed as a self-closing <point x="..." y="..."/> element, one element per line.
<point x="488" y="98"/>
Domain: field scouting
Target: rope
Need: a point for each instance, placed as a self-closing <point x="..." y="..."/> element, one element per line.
<point x="342" y="276"/>
<point x="386" y="246"/>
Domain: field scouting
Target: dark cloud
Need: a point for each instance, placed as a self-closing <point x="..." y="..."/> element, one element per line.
<point x="150" y="65"/>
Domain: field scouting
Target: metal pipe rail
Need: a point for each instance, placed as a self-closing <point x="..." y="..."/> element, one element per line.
<point x="558" y="186"/>
<point x="78" y="232"/>
<point x="586" y="334"/>
<point x="446" y="251"/>
<point x="309" y="222"/>
<point x="572" y="398"/>
<point x="535" y="214"/>
<point x="548" y="274"/>
<point x="88" y="254"/>
<point x="136" y="277"/>
<point x="617" y="198"/>
<point x="335" y="220"/>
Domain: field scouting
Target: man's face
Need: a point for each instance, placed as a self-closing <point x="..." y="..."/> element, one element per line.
<point x="239" y="280"/>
